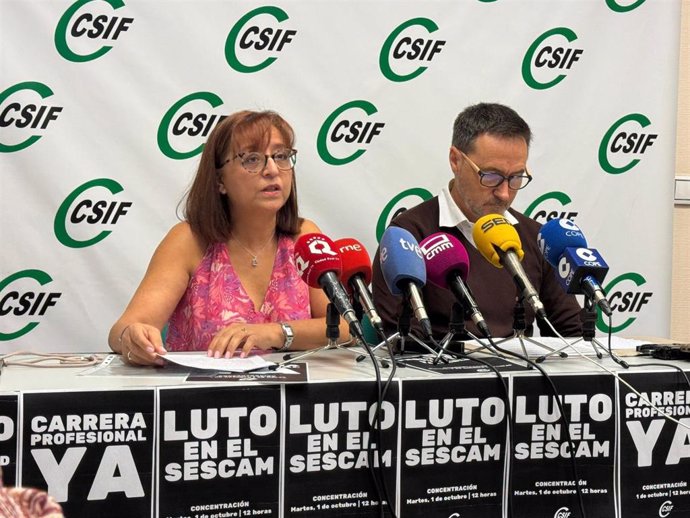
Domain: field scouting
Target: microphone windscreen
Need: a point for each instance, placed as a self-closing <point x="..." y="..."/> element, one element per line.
<point x="492" y="232"/>
<point x="316" y="254"/>
<point x="443" y="255"/>
<point x="556" y="235"/>
<point x="355" y="261"/>
<point x="401" y="260"/>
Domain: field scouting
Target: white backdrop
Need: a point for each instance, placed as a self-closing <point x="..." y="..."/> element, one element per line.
<point x="99" y="101"/>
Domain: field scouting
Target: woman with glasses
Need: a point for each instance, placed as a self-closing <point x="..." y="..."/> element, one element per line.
<point x="224" y="279"/>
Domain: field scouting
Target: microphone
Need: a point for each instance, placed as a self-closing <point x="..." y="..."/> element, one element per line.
<point x="320" y="265"/>
<point x="499" y="243"/>
<point x="579" y="269"/>
<point x="356" y="276"/>
<point x="404" y="270"/>
<point x="447" y="266"/>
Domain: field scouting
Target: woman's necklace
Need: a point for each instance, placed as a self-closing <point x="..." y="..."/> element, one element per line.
<point x="255" y="261"/>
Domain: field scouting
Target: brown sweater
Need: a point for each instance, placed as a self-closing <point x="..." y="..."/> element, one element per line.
<point x="493" y="288"/>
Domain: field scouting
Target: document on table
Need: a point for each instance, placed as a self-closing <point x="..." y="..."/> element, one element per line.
<point x="201" y="361"/>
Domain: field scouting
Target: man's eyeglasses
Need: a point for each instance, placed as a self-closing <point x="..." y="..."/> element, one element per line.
<point x="254" y="162"/>
<point x="494" y="178"/>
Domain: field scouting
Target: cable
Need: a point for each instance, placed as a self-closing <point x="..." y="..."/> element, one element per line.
<point x="615" y="375"/>
<point x="509" y="423"/>
<point x="561" y="410"/>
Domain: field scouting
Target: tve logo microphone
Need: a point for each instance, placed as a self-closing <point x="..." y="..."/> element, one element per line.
<point x="22" y="300"/>
<point x="627" y="298"/>
<point x="25" y="115"/>
<point x="86" y="210"/>
<point x="397" y="205"/>
<point x="350" y="125"/>
<point x="550" y="57"/>
<point x="625" y="139"/>
<point x="83" y="31"/>
<point x="408" y="49"/>
<point x="551" y="205"/>
<point x="187" y="123"/>
<point x="257" y="38"/>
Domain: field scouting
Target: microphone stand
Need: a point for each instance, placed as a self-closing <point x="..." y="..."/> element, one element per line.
<point x="456" y="326"/>
<point x="332" y="334"/>
<point x="588" y="316"/>
<point x="519" y="327"/>
<point x="402" y="335"/>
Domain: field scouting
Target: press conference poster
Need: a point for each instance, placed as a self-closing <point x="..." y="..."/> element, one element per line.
<point x="92" y="451"/>
<point x="655" y="451"/>
<point x="544" y="479"/>
<point x="329" y="449"/>
<point x="453" y="447"/>
<point x="219" y="451"/>
<point x="9" y="405"/>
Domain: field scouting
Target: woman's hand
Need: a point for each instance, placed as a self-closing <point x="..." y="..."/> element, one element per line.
<point x="245" y="337"/>
<point x="139" y="344"/>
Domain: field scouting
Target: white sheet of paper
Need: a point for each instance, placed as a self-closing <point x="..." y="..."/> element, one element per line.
<point x="201" y="361"/>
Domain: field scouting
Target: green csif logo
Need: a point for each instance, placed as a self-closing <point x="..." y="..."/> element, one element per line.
<point x="409" y="48"/>
<point x="548" y="54"/>
<point x="180" y="120"/>
<point x="616" y="6"/>
<point x="399" y="204"/>
<point x="25" y="302"/>
<point x="89" y="210"/>
<point x="350" y="129"/>
<point x="624" y="299"/>
<point x="549" y="206"/>
<point x="623" y="138"/>
<point x="21" y="114"/>
<point x="250" y="35"/>
<point x="89" y="26"/>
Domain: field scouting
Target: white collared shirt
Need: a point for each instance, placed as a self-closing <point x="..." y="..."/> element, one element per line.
<point x="450" y="215"/>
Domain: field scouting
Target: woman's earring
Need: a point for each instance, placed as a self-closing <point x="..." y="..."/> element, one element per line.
<point x="222" y="189"/>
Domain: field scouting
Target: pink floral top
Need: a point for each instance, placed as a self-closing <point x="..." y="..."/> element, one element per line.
<point x="216" y="298"/>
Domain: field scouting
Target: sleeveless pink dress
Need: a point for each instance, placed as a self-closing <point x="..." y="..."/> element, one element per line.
<point x="216" y="298"/>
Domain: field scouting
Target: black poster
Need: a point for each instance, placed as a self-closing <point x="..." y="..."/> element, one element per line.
<point x="453" y="447"/>
<point x="219" y="451"/>
<point x="8" y="438"/>
<point x="544" y="481"/>
<point x="655" y="451"/>
<point x="329" y="449"/>
<point x="92" y="451"/>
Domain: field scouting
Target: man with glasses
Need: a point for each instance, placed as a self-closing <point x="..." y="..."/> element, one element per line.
<point x="488" y="158"/>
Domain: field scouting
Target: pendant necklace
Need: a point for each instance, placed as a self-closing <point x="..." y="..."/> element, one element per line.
<point x="255" y="261"/>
